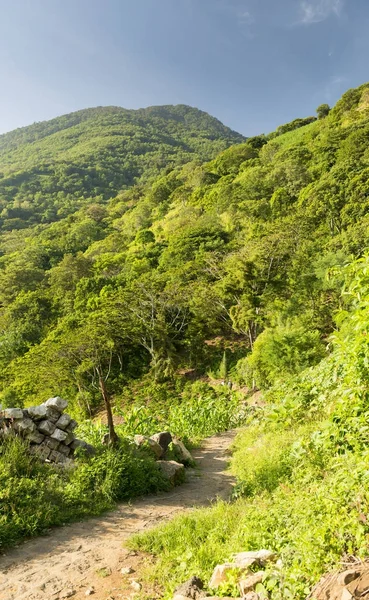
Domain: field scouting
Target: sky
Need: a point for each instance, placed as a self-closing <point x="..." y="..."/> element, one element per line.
<point x="253" y="64"/>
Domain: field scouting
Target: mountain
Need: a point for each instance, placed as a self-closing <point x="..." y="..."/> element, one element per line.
<point x="239" y="246"/>
<point x="49" y="168"/>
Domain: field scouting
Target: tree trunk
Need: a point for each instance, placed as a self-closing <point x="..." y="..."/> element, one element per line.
<point x="113" y="438"/>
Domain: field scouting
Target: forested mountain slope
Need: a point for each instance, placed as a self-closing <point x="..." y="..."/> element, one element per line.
<point x="234" y="250"/>
<point x="48" y="169"/>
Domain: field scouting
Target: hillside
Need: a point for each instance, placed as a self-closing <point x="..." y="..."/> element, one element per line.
<point x="48" y="169"/>
<point x="229" y="249"/>
<point x="249" y="265"/>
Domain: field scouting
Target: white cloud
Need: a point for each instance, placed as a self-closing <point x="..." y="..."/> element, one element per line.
<point x="315" y="11"/>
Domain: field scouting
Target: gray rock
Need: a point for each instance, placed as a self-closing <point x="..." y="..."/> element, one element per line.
<point x="64" y="449"/>
<point x="42" y="451"/>
<point x="76" y="444"/>
<point x="37" y="412"/>
<point x="52" y="414"/>
<point x="163" y="439"/>
<point x="35" y="437"/>
<point x="173" y="471"/>
<point x="46" y="427"/>
<point x="58" y="403"/>
<point x="249" y="583"/>
<point x="259" y="557"/>
<point x="59" y="435"/>
<point x="69" y="439"/>
<point x="63" y="421"/>
<point x="72" y="425"/>
<point x="51" y="443"/>
<point x="191" y="589"/>
<point x="56" y="456"/>
<point x="184" y="455"/>
<point x="142" y="441"/>
<point x="24" y="426"/>
<point x="13" y="413"/>
<point x="221" y="573"/>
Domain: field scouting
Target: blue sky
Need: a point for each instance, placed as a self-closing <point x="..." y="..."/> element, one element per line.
<point x="254" y="64"/>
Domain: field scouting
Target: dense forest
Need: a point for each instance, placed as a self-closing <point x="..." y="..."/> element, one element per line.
<point x="139" y="249"/>
<point x="227" y="256"/>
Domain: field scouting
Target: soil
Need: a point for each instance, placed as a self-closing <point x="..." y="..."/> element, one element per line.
<point x="88" y="556"/>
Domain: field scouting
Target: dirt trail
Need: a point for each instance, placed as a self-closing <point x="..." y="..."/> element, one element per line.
<point x="90" y="554"/>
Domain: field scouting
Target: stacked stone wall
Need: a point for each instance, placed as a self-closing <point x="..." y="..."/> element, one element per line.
<point x="49" y="430"/>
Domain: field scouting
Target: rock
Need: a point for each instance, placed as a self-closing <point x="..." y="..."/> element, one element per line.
<point x="72" y="426"/>
<point x="42" y="451"/>
<point x="173" y="471"/>
<point x="64" y="449"/>
<point x="35" y="437"/>
<point x="220" y="575"/>
<point x="126" y="570"/>
<point x="59" y="435"/>
<point x="248" y="584"/>
<point x="136" y="586"/>
<point x="142" y="441"/>
<point x="163" y="439"/>
<point x="63" y="421"/>
<point x="37" y="413"/>
<point x="348" y="576"/>
<point x="52" y="443"/>
<point x="190" y="589"/>
<point x="58" y="403"/>
<point x="259" y="557"/>
<point x="24" y="426"/>
<point x="76" y="444"/>
<point x="89" y="592"/>
<point x="13" y="413"/>
<point x="57" y="457"/>
<point x="251" y="596"/>
<point x="46" y="427"/>
<point x="66" y="594"/>
<point x="184" y="455"/>
<point x="52" y="414"/>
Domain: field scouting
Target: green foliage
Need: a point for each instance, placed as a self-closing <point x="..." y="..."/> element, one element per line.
<point x="35" y="496"/>
<point x="302" y="466"/>
<point x="283" y="351"/>
<point x="323" y="111"/>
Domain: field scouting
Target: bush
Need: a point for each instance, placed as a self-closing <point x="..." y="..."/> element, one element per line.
<point x="35" y="496"/>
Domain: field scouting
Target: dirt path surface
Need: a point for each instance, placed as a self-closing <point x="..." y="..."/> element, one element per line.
<point x="88" y="556"/>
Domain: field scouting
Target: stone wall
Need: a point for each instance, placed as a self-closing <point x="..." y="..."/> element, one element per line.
<point x="48" y="429"/>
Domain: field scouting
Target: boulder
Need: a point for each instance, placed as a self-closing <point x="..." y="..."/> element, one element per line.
<point x="69" y="439"/>
<point x="248" y="584"/>
<point x="173" y="471"/>
<point x="142" y="441"/>
<point x="52" y="414"/>
<point x="51" y="443"/>
<point x="72" y="425"/>
<point x="13" y="413"/>
<point x="35" y="437"/>
<point x="37" y="413"/>
<point x="46" y="427"/>
<point x="24" y="426"/>
<point x="259" y="557"/>
<point x="220" y="575"/>
<point x="163" y="439"/>
<point x="180" y="450"/>
<point x="190" y="589"/>
<point x="58" y="403"/>
<point x="64" y="449"/>
<point x="63" y="421"/>
<point x="59" y="435"/>
<point x="76" y="444"/>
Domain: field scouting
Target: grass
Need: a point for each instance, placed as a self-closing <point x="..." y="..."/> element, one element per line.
<point x="288" y="501"/>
